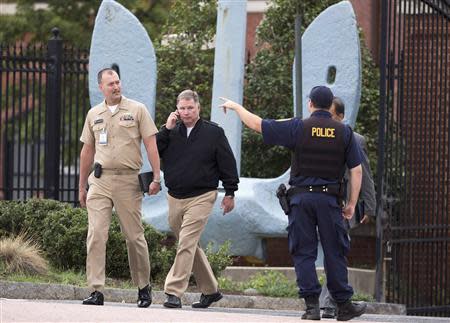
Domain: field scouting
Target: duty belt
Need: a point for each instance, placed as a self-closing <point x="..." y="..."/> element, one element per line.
<point x="332" y="189"/>
<point x="119" y="171"/>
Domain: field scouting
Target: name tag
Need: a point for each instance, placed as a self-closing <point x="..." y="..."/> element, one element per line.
<point x="103" y="138"/>
<point x="323" y="132"/>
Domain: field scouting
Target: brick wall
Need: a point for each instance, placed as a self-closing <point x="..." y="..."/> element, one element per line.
<point x="368" y="18"/>
<point x="253" y="20"/>
<point x="361" y="255"/>
<point x="367" y="15"/>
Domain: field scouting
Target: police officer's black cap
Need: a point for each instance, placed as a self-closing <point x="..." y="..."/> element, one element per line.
<point x="321" y="96"/>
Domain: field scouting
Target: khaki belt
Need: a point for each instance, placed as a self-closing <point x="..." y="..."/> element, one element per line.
<point x="119" y="171"/>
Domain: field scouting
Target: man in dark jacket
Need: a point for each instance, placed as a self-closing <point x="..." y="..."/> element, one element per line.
<point x="365" y="209"/>
<point x="195" y="155"/>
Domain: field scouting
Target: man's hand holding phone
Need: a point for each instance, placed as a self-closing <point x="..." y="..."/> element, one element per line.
<point x="172" y="120"/>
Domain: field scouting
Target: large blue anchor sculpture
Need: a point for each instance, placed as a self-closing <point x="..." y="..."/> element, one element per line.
<point x="330" y="43"/>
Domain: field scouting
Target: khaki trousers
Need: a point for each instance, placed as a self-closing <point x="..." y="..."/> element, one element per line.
<point x="187" y="219"/>
<point x="123" y="192"/>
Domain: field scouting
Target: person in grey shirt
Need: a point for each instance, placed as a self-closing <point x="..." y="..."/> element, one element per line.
<point x="365" y="210"/>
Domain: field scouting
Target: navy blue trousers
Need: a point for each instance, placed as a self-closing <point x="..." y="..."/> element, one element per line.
<point x="312" y="213"/>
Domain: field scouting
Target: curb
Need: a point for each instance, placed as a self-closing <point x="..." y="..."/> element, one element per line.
<point x="18" y="290"/>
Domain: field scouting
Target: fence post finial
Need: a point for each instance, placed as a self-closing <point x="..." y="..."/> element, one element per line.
<point x="55" y="32"/>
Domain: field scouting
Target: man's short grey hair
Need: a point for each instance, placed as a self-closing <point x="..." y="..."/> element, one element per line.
<point x="107" y="70"/>
<point x="188" y="95"/>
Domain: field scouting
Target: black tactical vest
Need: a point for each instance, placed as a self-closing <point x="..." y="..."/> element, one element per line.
<point x="321" y="150"/>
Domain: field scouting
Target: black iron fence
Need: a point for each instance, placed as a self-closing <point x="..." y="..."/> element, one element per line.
<point x="44" y="98"/>
<point x="414" y="156"/>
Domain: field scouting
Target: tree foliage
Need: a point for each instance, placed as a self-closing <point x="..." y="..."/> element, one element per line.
<point x="75" y="19"/>
<point x="182" y="32"/>
<point x="185" y="59"/>
<point x="268" y="90"/>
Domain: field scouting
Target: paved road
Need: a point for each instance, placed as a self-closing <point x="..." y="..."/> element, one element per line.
<point x="17" y="310"/>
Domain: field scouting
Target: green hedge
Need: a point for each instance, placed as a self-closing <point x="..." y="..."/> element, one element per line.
<point x="61" y="231"/>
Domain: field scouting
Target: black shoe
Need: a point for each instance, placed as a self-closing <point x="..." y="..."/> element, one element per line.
<point x="207" y="300"/>
<point x="144" y="296"/>
<point x="172" y="301"/>
<point x="348" y="310"/>
<point x="96" y="298"/>
<point x="329" y="313"/>
<point x="312" y="308"/>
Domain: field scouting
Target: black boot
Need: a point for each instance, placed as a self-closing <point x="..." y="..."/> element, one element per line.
<point x="312" y="308"/>
<point x="348" y="310"/>
<point x="144" y="296"/>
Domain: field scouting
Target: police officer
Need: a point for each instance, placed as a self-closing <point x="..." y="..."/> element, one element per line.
<point x="321" y="147"/>
<point x="112" y="136"/>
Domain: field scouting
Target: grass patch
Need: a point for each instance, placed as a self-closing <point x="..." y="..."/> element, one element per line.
<point x="68" y="277"/>
<point x="274" y="284"/>
<point x="268" y="283"/>
<point x="362" y="297"/>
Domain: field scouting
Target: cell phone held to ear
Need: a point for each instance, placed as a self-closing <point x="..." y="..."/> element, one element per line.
<point x="144" y="181"/>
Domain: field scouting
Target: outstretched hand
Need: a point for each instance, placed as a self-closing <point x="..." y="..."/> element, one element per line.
<point x="228" y="104"/>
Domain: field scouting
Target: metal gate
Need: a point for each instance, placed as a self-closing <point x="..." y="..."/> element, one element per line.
<point x="44" y="98"/>
<point x="414" y="156"/>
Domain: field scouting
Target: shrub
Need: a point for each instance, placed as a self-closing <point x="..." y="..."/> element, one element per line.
<point x="11" y="218"/>
<point x="62" y="230"/>
<point x="219" y="260"/>
<point x="21" y="255"/>
<point x="17" y="216"/>
<point x="37" y="210"/>
<point x="64" y="238"/>
<point x="161" y="257"/>
<point x="65" y="243"/>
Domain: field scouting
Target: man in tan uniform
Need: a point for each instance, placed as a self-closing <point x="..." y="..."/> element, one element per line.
<point x="112" y="136"/>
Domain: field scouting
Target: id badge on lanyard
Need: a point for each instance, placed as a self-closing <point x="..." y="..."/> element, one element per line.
<point x="103" y="138"/>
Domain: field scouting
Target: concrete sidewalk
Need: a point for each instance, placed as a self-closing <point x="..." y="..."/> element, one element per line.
<point x="14" y="290"/>
<point x="18" y="310"/>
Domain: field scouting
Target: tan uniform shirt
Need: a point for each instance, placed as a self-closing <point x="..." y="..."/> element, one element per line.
<point x="123" y="131"/>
